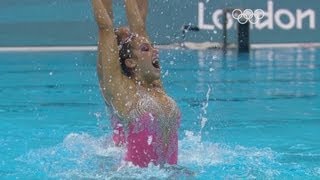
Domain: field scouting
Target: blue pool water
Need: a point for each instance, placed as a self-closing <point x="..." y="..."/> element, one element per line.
<point x="255" y="116"/>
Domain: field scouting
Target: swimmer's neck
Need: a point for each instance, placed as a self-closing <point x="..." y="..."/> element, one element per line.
<point x="149" y="85"/>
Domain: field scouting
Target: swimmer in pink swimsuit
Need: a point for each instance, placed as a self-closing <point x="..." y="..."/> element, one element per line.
<point x="145" y="119"/>
<point x="144" y="142"/>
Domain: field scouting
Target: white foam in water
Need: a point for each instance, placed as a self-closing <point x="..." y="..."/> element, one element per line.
<point x="78" y="156"/>
<point x="81" y="156"/>
<point x="91" y="146"/>
<point x="193" y="152"/>
<point x="87" y="157"/>
<point x="218" y="160"/>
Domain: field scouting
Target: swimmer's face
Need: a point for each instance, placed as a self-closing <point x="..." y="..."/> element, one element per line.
<point x="147" y="59"/>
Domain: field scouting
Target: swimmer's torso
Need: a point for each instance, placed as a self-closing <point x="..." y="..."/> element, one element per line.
<point x="148" y="127"/>
<point x="154" y="102"/>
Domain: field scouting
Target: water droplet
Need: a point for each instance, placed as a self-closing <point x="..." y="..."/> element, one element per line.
<point x="149" y="140"/>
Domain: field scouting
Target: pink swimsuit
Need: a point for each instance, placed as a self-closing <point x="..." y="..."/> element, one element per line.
<point x="144" y="141"/>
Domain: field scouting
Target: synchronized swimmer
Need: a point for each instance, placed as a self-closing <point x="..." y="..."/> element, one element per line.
<point x="144" y="118"/>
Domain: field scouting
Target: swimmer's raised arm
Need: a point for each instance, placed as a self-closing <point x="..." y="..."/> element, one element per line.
<point x="101" y="14"/>
<point x="143" y="8"/>
<point x="108" y="6"/>
<point x="137" y="11"/>
<point x="108" y="67"/>
<point x="136" y="15"/>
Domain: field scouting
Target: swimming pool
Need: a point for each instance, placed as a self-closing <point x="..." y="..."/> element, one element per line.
<point x="255" y="116"/>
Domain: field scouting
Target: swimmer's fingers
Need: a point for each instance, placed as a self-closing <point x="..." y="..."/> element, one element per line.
<point x="101" y="15"/>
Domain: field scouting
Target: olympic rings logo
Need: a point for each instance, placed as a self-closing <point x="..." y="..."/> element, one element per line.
<point x="247" y="15"/>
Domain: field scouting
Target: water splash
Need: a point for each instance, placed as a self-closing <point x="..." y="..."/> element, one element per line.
<point x="203" y="113"/>
<point x="81" y="156"/>
<point x="78" y="156"/>
<point x="220" y="160"/>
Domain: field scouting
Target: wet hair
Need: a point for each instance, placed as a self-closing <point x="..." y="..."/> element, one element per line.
<point x="124" y="37"/>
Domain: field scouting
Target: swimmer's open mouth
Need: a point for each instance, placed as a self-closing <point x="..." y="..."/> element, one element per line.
<point x="156" y="63"/>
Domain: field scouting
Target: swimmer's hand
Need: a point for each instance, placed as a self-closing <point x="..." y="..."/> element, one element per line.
<point x="101" y="14"/>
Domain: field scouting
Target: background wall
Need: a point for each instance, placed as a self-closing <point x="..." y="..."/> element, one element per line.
<point x="70" y="22"/>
